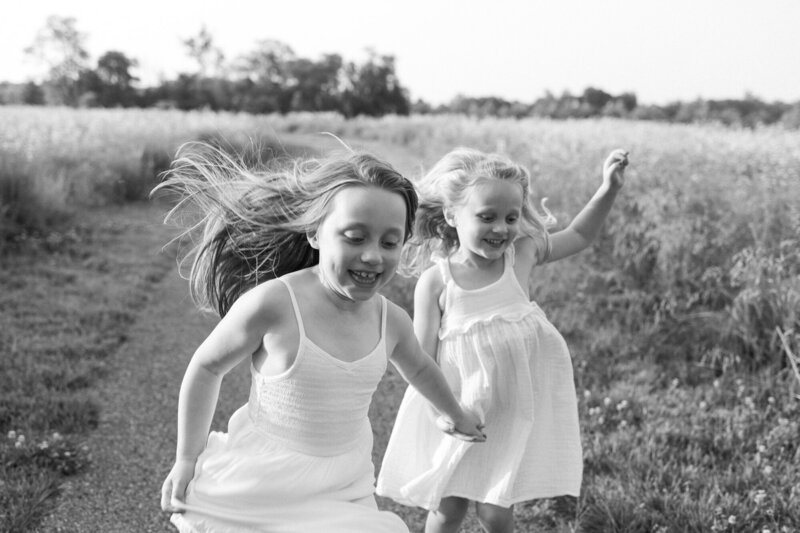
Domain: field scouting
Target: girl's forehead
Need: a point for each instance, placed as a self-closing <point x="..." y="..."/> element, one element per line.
<point x="495" y="190"/>
<point x="371" y="205"/>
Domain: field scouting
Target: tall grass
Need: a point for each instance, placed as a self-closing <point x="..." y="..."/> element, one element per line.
<point x="56" y="161"/>
<point x="683" y="319"/>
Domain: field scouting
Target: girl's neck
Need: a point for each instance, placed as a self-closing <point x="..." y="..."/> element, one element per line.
<point x="341" y="302"/>
<point x="473" y="261"/>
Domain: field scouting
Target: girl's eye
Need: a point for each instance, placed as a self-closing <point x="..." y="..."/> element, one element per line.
<point x="390" y="245"/>
<point x="486" y="218"/>
<point x="354" y="238"/>
<point x="512" y="220"/>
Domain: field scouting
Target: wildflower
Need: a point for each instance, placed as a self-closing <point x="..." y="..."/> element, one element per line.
<point x="621" y="406"/>
<point x="749" y="402"/>
<point x="675" y="383"/>
<point x="21" y="440"/>
<point x="761" y="448"/>
<point x="18" y="444"/>
<point x="732" y="519"/>
<point x="703" y="405"/>
<point x="767" y="470"/>
<point x="43" y="445"/>
<point x="771" y="400"/>
<point x="607" y="401"/>
<point x="57" y="436"/>
<point x="587" y="393"/>
<point x="716" y="383"/>
<point x="623" y="424"/>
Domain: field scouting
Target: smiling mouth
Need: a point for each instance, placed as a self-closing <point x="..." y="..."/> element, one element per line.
<point x="495" y="242"/>
<point x="367" y="278"/>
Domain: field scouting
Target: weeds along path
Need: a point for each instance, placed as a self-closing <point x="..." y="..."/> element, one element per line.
<point x="133" y="447"/>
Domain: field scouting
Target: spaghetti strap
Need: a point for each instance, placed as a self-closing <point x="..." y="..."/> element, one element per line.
<point x="384" y="309"/>
<point x="297" y="315"/>
<point x="444" y="269"/>
<point x="510" y="256"/>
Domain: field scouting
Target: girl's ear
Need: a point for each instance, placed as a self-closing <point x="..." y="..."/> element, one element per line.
<point x="449" y="217"/>
<point x="313" y="240"/>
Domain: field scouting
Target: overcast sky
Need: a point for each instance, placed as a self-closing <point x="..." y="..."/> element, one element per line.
<point x="662" y="50"/>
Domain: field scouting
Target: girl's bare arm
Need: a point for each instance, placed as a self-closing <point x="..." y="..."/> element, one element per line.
<point x="585" y="227"/>
<point x="422" y="373"/>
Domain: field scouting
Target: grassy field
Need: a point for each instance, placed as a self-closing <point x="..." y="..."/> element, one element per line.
<point x="683" y="319"/>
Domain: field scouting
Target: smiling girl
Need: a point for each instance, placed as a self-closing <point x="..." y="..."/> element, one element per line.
<point x="498" y="351"/>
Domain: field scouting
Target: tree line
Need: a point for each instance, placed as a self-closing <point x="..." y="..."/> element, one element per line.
<point x="272" y="78"/>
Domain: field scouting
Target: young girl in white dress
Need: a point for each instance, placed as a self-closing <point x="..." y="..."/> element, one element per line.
<point x="498" y="351"/>
<point x="292" y="259"/>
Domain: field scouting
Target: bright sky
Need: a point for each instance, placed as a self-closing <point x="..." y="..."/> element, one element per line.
<point x="662" y="50"/>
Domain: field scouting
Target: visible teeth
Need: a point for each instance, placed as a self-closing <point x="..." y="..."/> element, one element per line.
<point x="365" y="276"/>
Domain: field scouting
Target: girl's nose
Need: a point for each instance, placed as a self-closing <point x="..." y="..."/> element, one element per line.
<point x="371" y="255"/>
<point x="500" y="227"/>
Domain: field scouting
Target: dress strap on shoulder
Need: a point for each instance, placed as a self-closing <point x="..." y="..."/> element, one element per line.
<point x="384" y="319"/>
<point x="511" y="253"/>
<point x="444" y="268"/>
<point x="296" y="308"/>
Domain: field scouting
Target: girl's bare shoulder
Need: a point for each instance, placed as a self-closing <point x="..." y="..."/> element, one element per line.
<point x="430" y="281"/>
<point x="526" y="251"/>
<point x="268" y="300"/>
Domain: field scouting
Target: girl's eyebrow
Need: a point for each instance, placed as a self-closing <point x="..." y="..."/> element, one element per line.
<point x="366" y="227"/>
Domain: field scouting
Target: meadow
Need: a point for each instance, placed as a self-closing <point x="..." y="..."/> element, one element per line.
<point x="683" y="319"/>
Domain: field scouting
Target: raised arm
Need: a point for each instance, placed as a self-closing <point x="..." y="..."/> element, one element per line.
<point x="422" y="373"/>
<point x="585" y="227"/>
<point x="236" y="337"/>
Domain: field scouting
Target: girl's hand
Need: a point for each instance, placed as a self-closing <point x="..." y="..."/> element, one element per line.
<point x="174" y="487"/>
<point x="614" y="168"/>
<point x="468" y="427"/>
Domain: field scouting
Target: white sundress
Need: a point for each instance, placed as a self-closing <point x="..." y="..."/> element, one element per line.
<point x="297" y="457"/>
<point x="508" y="363"/>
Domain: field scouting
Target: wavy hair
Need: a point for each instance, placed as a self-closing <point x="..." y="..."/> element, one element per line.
<point x="248" y="223"/>
<point x="447" y="184"/>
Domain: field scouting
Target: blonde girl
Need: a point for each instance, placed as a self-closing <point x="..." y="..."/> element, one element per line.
<point x="498" y="351"/>
<point x="292" y="258"/>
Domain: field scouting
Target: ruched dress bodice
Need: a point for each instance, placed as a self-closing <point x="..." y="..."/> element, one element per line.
<point x="319" y="406"/>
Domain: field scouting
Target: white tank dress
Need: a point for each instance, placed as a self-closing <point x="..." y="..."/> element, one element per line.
<point x="507" y="362"/>
<point x="297" y="457"/>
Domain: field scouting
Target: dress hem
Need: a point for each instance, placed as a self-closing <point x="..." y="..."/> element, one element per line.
<point x="534" y="495"/>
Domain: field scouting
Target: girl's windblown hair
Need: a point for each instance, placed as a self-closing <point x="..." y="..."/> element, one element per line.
<point x="248" y="225"/>
<point x="448" y="184"/>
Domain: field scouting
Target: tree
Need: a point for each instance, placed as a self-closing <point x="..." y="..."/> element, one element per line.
<point x="202" y="49"/>
<point x="314" y="85"/>
<point x="114" y="79"/>
<point x="264" y="73"/>
<point x="60" y="46"/>
<point x="373" y="88"/>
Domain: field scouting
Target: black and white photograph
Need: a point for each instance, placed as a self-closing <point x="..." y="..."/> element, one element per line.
<point x="400" y="267"/>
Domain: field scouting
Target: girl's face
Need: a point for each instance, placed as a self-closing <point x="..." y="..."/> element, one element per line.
<point x="359" y="241"/>
<point x="488" y="220"/>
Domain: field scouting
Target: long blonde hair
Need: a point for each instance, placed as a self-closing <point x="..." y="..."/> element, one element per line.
<point x="447" y="184"/>
<point x="253" y="222"/>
